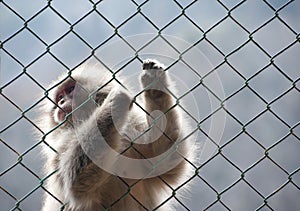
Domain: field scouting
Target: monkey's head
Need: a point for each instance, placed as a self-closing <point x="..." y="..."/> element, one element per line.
<point x="56" y="108"/>
<point x="61" y="94"/>
<point x="62" y="99"/>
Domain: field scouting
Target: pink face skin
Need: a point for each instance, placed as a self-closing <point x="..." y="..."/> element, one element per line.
<point x="63" y="99"/>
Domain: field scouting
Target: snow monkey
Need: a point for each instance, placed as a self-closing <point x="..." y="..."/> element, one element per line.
<point x="152" y="135"/>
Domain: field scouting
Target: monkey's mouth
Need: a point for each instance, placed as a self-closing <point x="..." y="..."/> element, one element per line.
<point x="65" y="112"/>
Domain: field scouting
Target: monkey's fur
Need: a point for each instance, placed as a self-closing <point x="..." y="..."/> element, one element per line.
<point x="76" y="183"/>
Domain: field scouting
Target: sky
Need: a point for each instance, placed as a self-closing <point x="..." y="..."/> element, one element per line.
<point x="235" y="65"/>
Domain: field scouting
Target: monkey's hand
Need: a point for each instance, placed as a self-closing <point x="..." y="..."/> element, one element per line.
<point x="112" y="114"/>
<point x="120" y="103"/>
<point x="154" y="77"/>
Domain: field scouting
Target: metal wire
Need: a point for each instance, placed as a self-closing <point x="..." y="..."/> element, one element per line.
<point x="183" y="7"/>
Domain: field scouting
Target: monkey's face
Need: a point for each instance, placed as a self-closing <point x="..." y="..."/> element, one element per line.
<point x="63" y="99"/>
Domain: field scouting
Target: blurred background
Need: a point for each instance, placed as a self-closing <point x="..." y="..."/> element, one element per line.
<point x="235" y="63"/>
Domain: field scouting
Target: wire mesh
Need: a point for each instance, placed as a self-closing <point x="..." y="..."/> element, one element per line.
<point x="256" y="165"/>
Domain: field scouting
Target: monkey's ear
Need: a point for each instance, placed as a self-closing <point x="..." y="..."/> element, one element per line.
<point x="100" y="97"/>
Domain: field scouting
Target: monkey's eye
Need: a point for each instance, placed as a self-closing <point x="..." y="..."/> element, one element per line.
<point x="71" y="89"/>
<point x="59" y="97"/>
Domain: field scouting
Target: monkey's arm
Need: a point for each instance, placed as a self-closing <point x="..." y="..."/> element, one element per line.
<point x="79" y="168"/>
<point x="157" y="97"/>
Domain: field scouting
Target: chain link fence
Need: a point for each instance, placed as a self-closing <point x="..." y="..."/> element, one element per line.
<point x="252" y="46"/>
